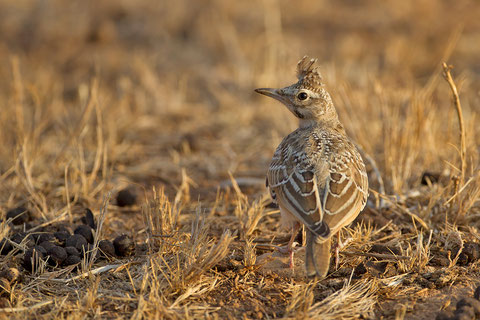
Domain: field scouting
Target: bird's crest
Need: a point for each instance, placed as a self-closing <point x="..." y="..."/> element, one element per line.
<point x="308" y="75"/>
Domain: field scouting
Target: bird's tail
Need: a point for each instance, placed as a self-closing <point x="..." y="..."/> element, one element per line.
<point x="317" y="256"/>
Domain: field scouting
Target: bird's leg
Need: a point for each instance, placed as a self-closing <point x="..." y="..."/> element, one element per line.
<point x="288" y="249"/>
<point x="337" y="250"/>
<point x="338" y="247"/>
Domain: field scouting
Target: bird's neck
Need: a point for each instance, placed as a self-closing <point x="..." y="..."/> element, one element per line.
<point x="305" y="123"/>
<point x="333" y="123"/>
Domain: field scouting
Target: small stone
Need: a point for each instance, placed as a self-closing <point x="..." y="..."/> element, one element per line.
<point x="78" y="241"/>
<point x="61" y="237"/>
<point x="472" y="250"/>
<point x="85" y="231"/>
<point x="376" y="268"/>
<point x="32" y="257"/>
<point x="70" y="260"/>
<point x="11" y="274"/>
<point x="126" y="197"/>
<point x="106" y="248"/>
<point x="89" y="219"/>
<point x="124" y="245"/>
<point x="380" y="248"/>
<point x="5" y="247"/>
<point x="18" y="215"/>
<point x="72" y="251"/>
<point x="430" y="177"/>
<point x="440" y="261"/>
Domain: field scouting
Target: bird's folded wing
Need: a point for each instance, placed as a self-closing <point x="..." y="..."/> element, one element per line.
<point x="345" y="192"/>
<point x="295" y="188"/>
<point x="323" y="208"/>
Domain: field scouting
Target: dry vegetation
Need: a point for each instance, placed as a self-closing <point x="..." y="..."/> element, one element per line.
<point x="96" y="96"/>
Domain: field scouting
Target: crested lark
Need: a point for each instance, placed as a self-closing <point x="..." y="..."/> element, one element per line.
<point x="316" y="176"/>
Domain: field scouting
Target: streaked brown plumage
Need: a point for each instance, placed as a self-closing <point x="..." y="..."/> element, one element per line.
<point x="316" y="176"/>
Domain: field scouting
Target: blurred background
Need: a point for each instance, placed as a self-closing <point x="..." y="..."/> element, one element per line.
<point x="137" y="90"/>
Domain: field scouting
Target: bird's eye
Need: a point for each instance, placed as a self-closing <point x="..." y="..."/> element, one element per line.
<point x="302" y="96"/>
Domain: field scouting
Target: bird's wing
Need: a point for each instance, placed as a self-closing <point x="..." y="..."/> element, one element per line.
<point x="346" y="189"/>
<point x="293" y="182"/>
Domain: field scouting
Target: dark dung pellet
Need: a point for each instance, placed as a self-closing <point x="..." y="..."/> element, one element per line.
<point x="72" y="251"/>
<point x="45" y="236"/>
<point x="126" y="197"/>
<point x="360" y="269"/>
<point x="61" y="237"/>
<point x="33" y="256"/>
<point x="47" y="245"/>
<point x="57" y="255"/>
<point x="20" y="237"/>
<point x="106" y="248"/>
<point x="89" y="219"/>
<point x="124" y="245"/>
<point x="462" y="259"/>
<point x="70" y="260"/>
<point x="87" y="251"/>
<point x="18" y="215"/>
<point x="78" y="241"/>
<point x="5" y="247"/>
<point x="431" y="177"/>
<point x="85" y="231"/>
<point x="63" y="228"/>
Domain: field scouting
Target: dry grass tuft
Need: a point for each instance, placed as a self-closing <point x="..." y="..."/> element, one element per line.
<point x="350" y="302"/>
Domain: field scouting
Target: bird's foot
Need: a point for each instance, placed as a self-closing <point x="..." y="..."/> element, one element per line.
<point x="339" y="246"/>
<point x="290" y="250"/>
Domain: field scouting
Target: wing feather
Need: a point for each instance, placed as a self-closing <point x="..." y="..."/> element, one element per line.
<point x="346" y="190"/>
<point x="294" y="184"/>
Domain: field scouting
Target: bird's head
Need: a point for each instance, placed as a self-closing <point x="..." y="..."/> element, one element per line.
<point x="307" y="99"/>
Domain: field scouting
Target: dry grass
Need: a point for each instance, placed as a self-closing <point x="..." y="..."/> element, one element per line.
<point x="98" y="96"/>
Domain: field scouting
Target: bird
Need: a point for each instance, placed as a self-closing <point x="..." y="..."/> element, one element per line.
<point x="316" y="176"/>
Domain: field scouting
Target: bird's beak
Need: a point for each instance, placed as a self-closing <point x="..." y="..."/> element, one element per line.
<point x="272" y="93"/>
